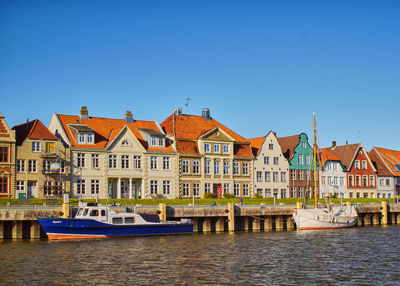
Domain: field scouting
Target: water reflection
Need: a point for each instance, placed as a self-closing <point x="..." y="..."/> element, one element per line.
<point x="350" y="256"/>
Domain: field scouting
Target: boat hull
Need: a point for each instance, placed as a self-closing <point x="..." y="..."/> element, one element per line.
<point x="70" y="228"/>
<point x="338" y="217"/>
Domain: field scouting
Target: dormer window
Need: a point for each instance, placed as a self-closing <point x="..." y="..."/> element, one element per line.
<point x="89" y="138"/>
<point x="85" y="138"/>
<point x="157" y="141"/>
<point x="81" y="137"/>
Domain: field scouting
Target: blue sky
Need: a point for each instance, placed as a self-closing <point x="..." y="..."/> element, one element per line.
<point x="258" y="65"/>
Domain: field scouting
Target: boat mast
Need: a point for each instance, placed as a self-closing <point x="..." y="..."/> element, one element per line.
<point x="315" y="164"/>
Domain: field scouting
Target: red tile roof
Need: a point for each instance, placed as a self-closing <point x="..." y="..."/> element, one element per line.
<point x="381" y="167"/>
<point x="33" y="130"/>
<point x="391" y="158"/>
<point x="345" y="153"/>
<point x="187" y="128"/>
<point x="288" y="144"/>
<point x="107" y="130"/>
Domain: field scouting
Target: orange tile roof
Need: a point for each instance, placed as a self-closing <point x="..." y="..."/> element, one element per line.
<point x="107" y="129"/>
<point x="345" y="153"/>
<point x="256" y="144"/>
<point x="325" y="155"/>
<point x="187" y="128"/>
<point x="33" y="130"/>
<point x="381" y="167"/>
<point x="390" y="157"/>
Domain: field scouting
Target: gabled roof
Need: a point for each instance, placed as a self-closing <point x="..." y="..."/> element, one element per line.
<point x="288" y="144"/>
<point x="33" y="130"/>
<point x="193" y="126"/>
<point x="346" y="153"/>
<point x="187" y="129"/>
<point x="390" y="158"/>
<point x="107" y="129"/>
<point x="380" y="165"/>
<point x="256" y="145"/>
<point x="326" y="155"/>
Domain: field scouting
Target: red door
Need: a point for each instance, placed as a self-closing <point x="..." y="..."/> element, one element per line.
<point x="218" y="190"/>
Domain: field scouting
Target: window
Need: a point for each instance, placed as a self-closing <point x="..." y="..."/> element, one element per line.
<point x="80" y="186"/>
<point x="381" y="182"/>
<point x="216" y="148"/>
<point x="117" y="220"/>
<point x="166" y="187"/>
<point x="365" y="181"/>
<point x="245" y="170"/>
<point x="283" y="177"/>
<point x="3" y="154"/>
<point x="276" y="160"/>
<point x="207" y="147"/>
<point x="20" y="166"/>
<point x="335" y="181"/>
<point x="387" y="182"/>
<point x="81" y="160"/>
<point x="207" y="188"/>
<point x="268" y="176"/>
<point x="275" y="177"/>
<point x="89" y="138"/>
<point x="153" y="187"/>
<point x="283" y="193"/>
<point x="95" y="161"/>
<point x="226" y="188"/>
<point x="207" y="167"/>
<point x="300" y="174"/>
<point x="165" y="163"/>
<point x="156" y="141"/>
<point x="35" y="146"/>
<point x="125" y="143"/>
<point x="246" y="190"/>
<point x="196" y="167"/>
<point x="236" y="168"/>
<point x="307" y="174"/>
<point x="372" y="181"/>
<point x="216" y="167"/>
<point x="266" y="160"/>
<point x="268" y="193"/>
<point x="3" y="185"/>
<point x="260" y="192"/>
<point x="112" y="161"/>
<point x="364" y="164"/>
<point x="226" y="168"/>
<point x="129" y="220"/>
<point x="153" y="162"/>
<point x="236" y="189"/>
<point x="62" y="167"/>
<point x="301" y="192"/>
<point x="323" y="180"/>
<point x="293" y="193"/>
<point x="185" y="166"/>
<point x="50" y="147"/>
<point x="124" y="161"/>
<point x="46" y="165"/>
<point x="293" y="175"/>
<point x="81" y="137"/>
<point x="20" y="186"/>
<point x="357" y="164"/>
<point x="351" y="180"/>
<point x="32" y="166"/>
<point x="196" y="189"/>
<point x="358" y="181"/>
<point x="300" y="159"/>
<point x="47" y="188"/>
<point x="259" y="176"/>
<point x="95" y="186"/>
<point x="137" y="162"/>
<point x="185" y="189"/>
<point x="226" y="148"/>
<point x="304" y="145"/>
<point x="329" y="180"/>
<point x="271" y="146"/>
<point x="308" y="160"/>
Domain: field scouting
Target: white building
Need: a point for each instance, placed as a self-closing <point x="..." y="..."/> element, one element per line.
<point x="332" y="175"/>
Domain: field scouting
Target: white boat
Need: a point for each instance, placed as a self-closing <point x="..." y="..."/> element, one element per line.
<point x="325" y="218"/>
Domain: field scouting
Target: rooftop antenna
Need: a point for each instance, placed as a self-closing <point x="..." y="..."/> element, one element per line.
<point x="187" y="104"/>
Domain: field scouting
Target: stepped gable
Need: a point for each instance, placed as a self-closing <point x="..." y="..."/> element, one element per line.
<point x="379" y="164"/>
<point x="33" y="130"/>
<point x="345" y="153"/>
<point x="391" y="159"/>
<point x="288" y="144"/>
<point x="107" y="129"/>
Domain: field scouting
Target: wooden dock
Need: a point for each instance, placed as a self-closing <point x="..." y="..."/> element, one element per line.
<point x="21" y="223"/>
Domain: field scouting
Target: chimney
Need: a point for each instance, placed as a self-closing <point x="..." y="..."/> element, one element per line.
<point x="205" y="112"/>
<point x="333" y="144"/>
<point x="128" y="116"/>
<point x="178" y="111"/>
<point x="84" y="113"/>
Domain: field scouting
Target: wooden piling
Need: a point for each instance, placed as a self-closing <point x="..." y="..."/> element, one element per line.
<point x="220" y="225"/>
<point x="207" y="225"/>
<point x="195" y="225"/>
<point x="246" y="223"/>
<point x="1" y="230"/>
<point x="35" y="230"/>
<point x="375" y="219"/>
<point x="268" y="224"/>
<point x="231" y="217"/>
<point x="393" y="219"/>
<point x="256" y="224"/>
<point x="279" y="223"/>
<point x="163" y="211"/>
<point x="289" y="223"/>
<point x="17" y="232"/>
<point x="384" y="212"/>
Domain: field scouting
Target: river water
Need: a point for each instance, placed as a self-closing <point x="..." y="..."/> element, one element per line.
<point x="357" y="256"/>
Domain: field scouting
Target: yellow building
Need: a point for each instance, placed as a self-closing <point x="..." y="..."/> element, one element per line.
<point x="42" y="162"/>
<point x="7" y="160"/>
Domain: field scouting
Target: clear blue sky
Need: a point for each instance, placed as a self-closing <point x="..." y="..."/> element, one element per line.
<point x="258" y="65"/>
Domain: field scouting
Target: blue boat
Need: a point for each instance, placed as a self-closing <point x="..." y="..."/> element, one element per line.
<point x="98" y="221"/>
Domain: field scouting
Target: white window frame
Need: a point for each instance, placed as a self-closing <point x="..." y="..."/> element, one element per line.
<point x="32" y="166"/>
<point x="207" y="147"/>
<point x="112" y="161"/>
<point x="95" y="186"/>
<point x="36" y="146"/>
<point x="196" y="167"/>
<point x="185" y="189"/>
<point x="226" y="167"/>
<point x="153" y="162"/>
<point x="236" y="168"/>
<point x="236" y="189"/>
<point x="245" y="168"/>
<point x="20" y="166"/>
<point x="153" y="187"/>
<point x="95" y="161"/>
<point x="80" y="160"/>
<point x="216" y="168"/>
<point x="165" y="163"/>
<point x="217" y="148"/>
<point x="166" y="187"/>
<point x="80" y="186"/>
<point x="207" y="169"/>
<point x="246" y="190"/>
<point x="185" y="166"/>
<point x="225" y="148"/>
<point x="137" y="162"/>
<point x="196" y="189"/>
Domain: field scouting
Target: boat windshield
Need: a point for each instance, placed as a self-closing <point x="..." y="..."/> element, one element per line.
<point x="79" y="212"/>
<point x="94" y="213"/>
<point x="85" y="212"/>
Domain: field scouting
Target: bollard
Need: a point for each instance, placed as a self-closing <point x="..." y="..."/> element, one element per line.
<point x="231" y="217"/>
<point x="256" y="224"/>
<point x="384" y="213"/>
<point x="279" y="223"/>
<point x="220" y="225"/>
<point x="35" y="230"/>
<point x="17" y="230"/>
<point x="163" y="211"/>
<point x="65" y="206"/>
<point x="268" y="224"/>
